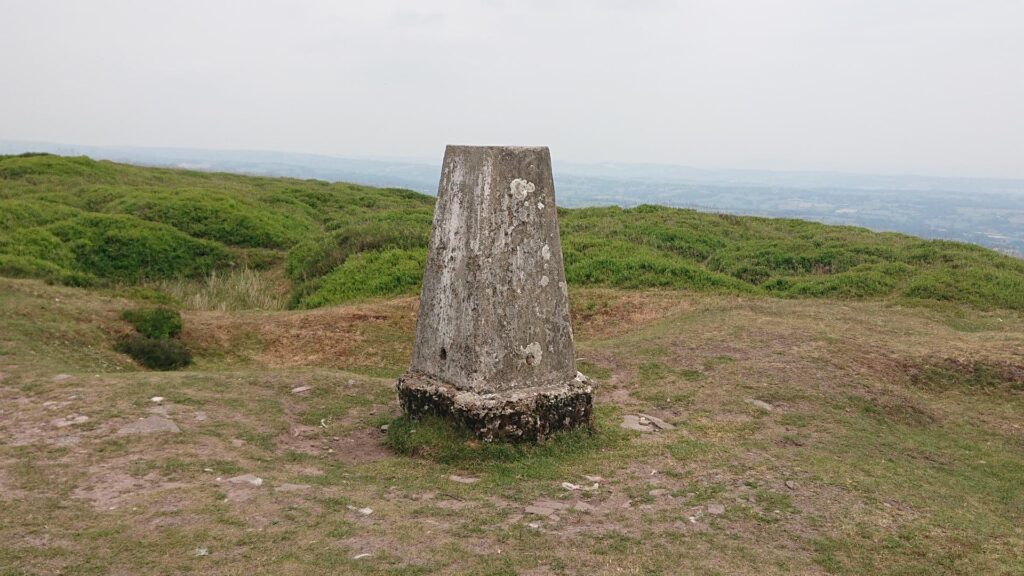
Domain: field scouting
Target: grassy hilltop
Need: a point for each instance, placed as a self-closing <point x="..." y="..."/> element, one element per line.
<point x="80" y="222"/>
<point x="843" y="402"/>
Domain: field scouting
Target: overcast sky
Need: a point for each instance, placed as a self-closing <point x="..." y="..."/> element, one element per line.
<point x="888" y="86"/>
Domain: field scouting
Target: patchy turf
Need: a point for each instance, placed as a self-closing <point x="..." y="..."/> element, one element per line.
<point x="811" y="436"/>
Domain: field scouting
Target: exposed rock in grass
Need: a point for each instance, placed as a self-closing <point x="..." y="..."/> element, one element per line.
<point x="760" y="404"/>
<point x="70" y="420"/>
<point x="250" y="479"/>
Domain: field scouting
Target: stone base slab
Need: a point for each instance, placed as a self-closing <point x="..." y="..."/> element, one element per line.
<point x="529" y="414"/>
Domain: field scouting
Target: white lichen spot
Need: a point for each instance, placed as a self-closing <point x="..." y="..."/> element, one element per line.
<point x="545" y="252"/>
<point x="543" y="280"/>
<point x="521" y="188"/>
<point x="540" y="205"/>
<point x="564" y="287"/>
<point x="532" y="353"/>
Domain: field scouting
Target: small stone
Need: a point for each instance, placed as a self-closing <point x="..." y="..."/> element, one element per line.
<point x="716" y="509"/>
<point x="207" y="469"/>
<point x="463" y="479"/>
<point x="361" y="556"/>
<point x="571" y="486"/>
<point x="201" y="552"/>
<point x="760" y="404"/>
<point x="70" y="420"/>
<point x="237" y="442"/>
<point x="63" y="377"/>
<point x="790" y="484"/>
<point x="634" y="422"/>
<point x="301" y="389"/>
<point x="200" y="416"/>
<point x="593" y="478"/>
<point x="250" y="479"/>
<point x="385" y="427"/>
<point x="658" y="422"/>
<point x="363" y="511"/>
<point x="157" y="399"/>
<point x="534" y="525"/>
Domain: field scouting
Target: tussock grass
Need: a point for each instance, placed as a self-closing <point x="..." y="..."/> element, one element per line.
<point x="231" y="289"/>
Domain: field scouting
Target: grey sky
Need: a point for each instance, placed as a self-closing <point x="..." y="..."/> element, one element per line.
<point x="929" y="86"/>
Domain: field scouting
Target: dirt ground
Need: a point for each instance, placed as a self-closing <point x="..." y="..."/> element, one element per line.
<point x="810" y="437"/>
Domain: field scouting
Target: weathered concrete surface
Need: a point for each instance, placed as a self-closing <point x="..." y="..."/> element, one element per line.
<point x="493" y="339"/>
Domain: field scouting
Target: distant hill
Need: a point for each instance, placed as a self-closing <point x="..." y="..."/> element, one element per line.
<point x="78" y="221"/>
<point x="986" y="211"/>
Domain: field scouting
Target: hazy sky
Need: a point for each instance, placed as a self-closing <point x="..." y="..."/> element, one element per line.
<point x="912" y="86"/>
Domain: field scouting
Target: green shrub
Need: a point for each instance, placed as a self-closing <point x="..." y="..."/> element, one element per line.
<point x="370" y="274"/>
<point x="36" y="243"/>
<point x="80" y="222"/>
<point x="155" y="353"/>
<point x="319" y="256"/>
<point x="129" y="249"/>
<point x="161" y="322"/>
<point x="16" y="266"/>
<point x="214" y="215"/>
<point x="23" y="213"/>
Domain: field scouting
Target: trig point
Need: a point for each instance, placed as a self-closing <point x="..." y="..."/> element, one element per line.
<point x="494" y="348"/>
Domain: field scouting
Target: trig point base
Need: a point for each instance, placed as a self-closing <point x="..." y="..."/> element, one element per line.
<point x="494" y="348"/>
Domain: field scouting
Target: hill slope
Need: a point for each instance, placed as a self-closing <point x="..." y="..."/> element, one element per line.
<point x="81" y="222"/>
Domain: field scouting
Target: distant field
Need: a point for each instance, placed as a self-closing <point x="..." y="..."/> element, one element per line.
<point x="185" y="235"/>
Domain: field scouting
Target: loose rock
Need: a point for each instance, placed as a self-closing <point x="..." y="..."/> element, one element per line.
<point x="70" y="420"/>
<point x="760" y="404"/>
<point x="301" y="389"/>
<point x="463" y="479"/>
<point x="633" y="422"/>
<point x="571" y="486"/>
<point x="250" y="479"/>
<point x="657" y="422"/>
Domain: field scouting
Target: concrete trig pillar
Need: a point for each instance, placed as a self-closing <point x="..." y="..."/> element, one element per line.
<point x="494" y="347"/>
